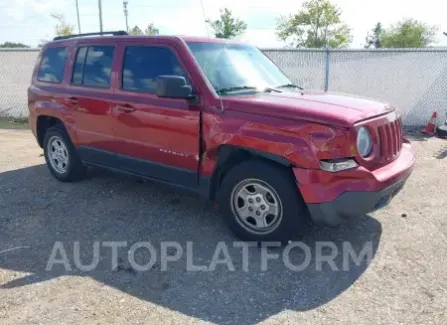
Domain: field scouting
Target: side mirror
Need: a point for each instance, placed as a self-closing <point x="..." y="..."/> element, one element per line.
<point x="172" y="87"/>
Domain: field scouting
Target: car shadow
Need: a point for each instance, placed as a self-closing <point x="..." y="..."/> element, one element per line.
<point x="442" y="153"/>
<point x="415" y="134"/>
<point x="36" y="212"/>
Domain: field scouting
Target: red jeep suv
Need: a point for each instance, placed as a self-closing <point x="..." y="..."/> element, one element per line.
<point x="219" y="118"/>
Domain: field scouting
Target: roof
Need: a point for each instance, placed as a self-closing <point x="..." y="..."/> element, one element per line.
<point x="198" y="39"/>
<point x="192" y="39"/>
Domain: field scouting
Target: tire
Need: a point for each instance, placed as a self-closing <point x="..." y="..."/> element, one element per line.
<point x="270" y="188"/>
<point x="65" y="165"/>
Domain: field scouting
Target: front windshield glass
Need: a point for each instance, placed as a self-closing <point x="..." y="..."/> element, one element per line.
<point x="236" y="67"/>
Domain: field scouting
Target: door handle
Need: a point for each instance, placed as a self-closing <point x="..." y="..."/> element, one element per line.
<point x="126" y="108"/>
<point x="73" y="100"/>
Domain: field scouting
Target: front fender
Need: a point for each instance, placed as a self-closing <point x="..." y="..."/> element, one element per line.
<point x="301" y="144"/>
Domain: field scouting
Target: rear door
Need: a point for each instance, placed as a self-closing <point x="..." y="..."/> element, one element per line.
<point x="89" y="95"/>
<point x="156" y="137"/>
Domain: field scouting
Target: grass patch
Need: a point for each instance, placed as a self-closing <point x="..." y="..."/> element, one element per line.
<point x="14" y="124"/>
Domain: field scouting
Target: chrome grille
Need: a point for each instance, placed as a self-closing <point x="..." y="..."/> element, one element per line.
<point x="390" y="136"/>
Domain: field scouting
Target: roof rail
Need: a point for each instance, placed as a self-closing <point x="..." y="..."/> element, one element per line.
<point x="115" y="33"/>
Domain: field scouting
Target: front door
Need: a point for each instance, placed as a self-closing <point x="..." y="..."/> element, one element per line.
<point x="155" y="137"/>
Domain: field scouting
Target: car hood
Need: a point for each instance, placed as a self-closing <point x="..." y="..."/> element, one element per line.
<point x="318" y="107"/>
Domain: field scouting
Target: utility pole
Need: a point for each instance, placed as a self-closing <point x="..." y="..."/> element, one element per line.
<point x="126" y="12"/>
<point x="204" y="18"/>
<point x="100" y="15"/>
<point x="79" y="20"/>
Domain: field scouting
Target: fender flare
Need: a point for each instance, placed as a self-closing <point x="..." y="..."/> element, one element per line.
<point x="229" y="152"/>
<point x="226" y="150"/>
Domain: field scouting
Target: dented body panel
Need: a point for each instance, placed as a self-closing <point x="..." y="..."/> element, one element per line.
<point x="301" y="143"/>
<point x="179" y="141"/>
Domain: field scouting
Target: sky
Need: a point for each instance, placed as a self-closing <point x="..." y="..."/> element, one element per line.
<point x="29" y="21"/>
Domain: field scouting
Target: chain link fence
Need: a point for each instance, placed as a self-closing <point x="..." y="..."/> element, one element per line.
<point x="415" y="81"/>
<point x="16" y="67"/>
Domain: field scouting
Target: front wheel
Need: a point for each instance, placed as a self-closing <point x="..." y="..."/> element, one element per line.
<point x="260" y="202"/>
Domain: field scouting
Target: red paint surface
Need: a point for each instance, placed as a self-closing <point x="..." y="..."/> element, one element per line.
<point x="303" y="128"/>
<point x="319" y="186"/>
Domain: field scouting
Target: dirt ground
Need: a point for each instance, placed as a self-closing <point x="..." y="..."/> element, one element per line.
<point x="404" y="283"/>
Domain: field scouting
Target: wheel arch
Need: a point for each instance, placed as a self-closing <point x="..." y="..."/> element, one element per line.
<point x="229" y="156"/>
<point x="44" y="122"/>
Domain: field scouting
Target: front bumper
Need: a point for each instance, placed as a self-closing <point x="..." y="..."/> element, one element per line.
<point x="334" y="197"/>
<point x="352" y="204"/>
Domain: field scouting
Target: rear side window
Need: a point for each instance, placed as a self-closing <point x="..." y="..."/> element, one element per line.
<point x="52" y="65"/>
<point x="79" y="66"/>
<point x="143" y="64"/>
<point x="93" y="66"/>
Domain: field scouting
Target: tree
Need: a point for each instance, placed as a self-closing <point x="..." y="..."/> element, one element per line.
<point x="375" y="39"/>
<point x="42" y="42"/>
<point x="408" y="33"/>
<point x="63" y="28"/>
<point x="135" y="31"/>
<point x="13" y="45"/>
<point x="151" y="30"/>
<point x="318" y="24"/>
<point x="227" y="26"/>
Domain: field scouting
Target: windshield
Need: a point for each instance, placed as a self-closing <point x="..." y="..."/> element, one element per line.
<point x="232" y="67"/>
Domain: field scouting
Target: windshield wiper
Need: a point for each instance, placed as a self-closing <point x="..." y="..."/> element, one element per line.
<point x="221" y="91"/>
<point x="290" y="86"/>
<point x="270" y="89"/>
<point x="236" y="88"/>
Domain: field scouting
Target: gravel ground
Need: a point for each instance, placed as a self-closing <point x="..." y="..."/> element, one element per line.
<point x="404" y="283"/>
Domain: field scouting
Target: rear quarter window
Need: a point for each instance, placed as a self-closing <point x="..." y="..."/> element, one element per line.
<point x="52" y="65"/>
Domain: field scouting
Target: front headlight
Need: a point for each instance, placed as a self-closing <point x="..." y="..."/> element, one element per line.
<point x="364" y="142"/>
<point x="337" y="165"/>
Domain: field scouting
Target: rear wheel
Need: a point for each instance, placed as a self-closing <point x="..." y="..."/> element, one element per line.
<point x="61" y="156"/>
<point x="260" y="202"/>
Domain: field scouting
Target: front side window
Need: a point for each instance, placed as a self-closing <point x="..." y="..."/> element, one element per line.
<point x="53" y="65"/>
<point x="143" y="64"/>
<point x="93" y="66"/>
<point x="230" y="66"/>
